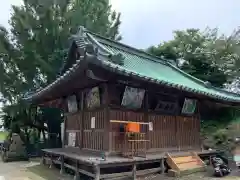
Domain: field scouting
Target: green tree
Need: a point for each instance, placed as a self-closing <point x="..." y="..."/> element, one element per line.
<point x="33" y="55"/>
<point x="41" y="30"/>
<point x="10" y="75"/>
<point x="205" y="55"/>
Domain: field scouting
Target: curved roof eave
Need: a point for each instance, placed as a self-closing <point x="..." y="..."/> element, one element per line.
<point x="109" y="53"/>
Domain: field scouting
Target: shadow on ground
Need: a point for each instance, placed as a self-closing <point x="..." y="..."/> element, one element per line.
<point x="48" y="174"/>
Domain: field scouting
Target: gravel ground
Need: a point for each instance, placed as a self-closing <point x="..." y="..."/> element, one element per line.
<point x="196" y="176"/>
<point x="33" y="171"/>
<point x="11" y="169"/>
<point x="28" y="171"/>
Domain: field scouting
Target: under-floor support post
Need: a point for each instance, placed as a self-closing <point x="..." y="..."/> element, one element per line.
<point x="162" y="166"/>
<point x="76" y="176"/>
<point x="62" y="164"/>
<point x="134" y="173"/>
<point x="43" y="162"/>
<point x="51" y="161"/>
<point x="210" y="160"/>
<point x="97" y="172"/>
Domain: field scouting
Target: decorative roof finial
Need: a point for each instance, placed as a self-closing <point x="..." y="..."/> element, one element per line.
<point x="81" y="30"/>
<point x="207" y="84"/>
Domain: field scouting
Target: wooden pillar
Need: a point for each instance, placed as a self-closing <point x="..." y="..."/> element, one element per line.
<point x="82" y="116"/>
<point x="146" y="119"/>
<point x="106" y="139"/>
<point x="199" y="124"/>
<point x="64" y="121"/>
<point x="134" y="172"/>
<point x="64" y="131"/>
<point x="82" y="119"/>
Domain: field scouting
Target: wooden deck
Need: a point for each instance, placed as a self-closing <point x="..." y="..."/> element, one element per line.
<point x="92" y="159"/>
<point x="82" y="162"/>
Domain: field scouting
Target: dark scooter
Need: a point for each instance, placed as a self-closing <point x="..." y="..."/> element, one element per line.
<point x="220" y="167"/>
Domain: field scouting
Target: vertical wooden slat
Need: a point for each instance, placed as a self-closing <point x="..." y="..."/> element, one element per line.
<point x="188" y="132"/>
<point x="169" y="132"/>
<point x="164" y="132"/>
<point x="93" y="138"/>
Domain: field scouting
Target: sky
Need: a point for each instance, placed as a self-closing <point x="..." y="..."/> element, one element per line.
<point x="149" y="22"/>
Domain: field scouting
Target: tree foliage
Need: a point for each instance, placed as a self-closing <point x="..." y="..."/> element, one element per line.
<point x="32" y="56"/>
<point x="205" y="55"/>
<point x="32" y="53"/>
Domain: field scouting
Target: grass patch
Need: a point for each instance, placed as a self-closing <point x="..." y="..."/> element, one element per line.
<point x="3" y="135"/>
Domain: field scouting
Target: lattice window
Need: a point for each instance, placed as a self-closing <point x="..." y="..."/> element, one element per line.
<point x="164" y="106"/>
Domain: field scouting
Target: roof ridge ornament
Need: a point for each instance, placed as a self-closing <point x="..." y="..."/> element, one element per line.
<point x="207" y="84"/>
<point x="117" y="58"/>
<point x="81" y="30"/>
<point x="89" y="48"/>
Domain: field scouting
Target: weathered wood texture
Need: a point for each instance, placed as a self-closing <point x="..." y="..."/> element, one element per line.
<point x="86" y="137"/>
<point x="169" y="132"/>
<point x="188" y="132"/>
<point x="117" y="139"/>
<point x="73" y="123"/>
<point x="93" y="138"/>
<point x="114" y="166"/>
<point x="163" y="135"/>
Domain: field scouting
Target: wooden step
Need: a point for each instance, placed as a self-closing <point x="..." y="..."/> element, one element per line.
<point x="189" y="166"/>
<point x="174" y="173"/>
<point x="183" y="159"/>
<point x="185" y="164"/>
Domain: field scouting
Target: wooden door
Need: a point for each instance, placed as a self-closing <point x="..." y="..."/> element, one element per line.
<point x="163" y="135"/>
<point x="188" y="133"/>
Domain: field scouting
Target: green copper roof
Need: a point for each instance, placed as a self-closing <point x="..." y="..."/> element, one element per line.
<point x="161" y="71"/>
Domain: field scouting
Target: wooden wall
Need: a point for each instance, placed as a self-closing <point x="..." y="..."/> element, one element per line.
<point x="73" y="123"/>
<point x="116" y="138"/>
<point x="80" y="122"/>
<point x="169" y="132"/>
<point x="188" y="132"/>
<point x="163" y="135"/>
<point x="93" y="138"/>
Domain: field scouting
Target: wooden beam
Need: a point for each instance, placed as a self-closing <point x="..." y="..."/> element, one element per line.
<point x="128" y="174"/>
<point x="79" y="170"/>
<point x="125" y="122"/>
